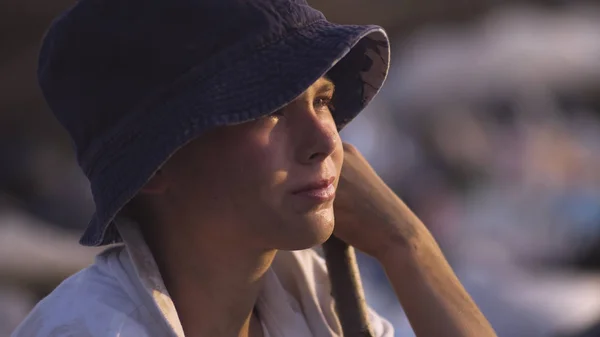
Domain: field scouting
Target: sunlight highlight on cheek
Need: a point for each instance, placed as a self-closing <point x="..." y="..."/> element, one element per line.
<point x="280" y="177"/>
<point x="267" y="160"/>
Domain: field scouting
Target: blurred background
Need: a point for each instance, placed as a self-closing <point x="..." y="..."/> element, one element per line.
<point x="488" y="127"/>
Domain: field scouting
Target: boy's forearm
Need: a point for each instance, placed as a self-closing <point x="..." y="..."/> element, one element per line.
<point x="433" y="298"/>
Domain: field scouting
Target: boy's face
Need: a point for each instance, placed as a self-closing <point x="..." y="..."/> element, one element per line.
<point x="270" y="182"/>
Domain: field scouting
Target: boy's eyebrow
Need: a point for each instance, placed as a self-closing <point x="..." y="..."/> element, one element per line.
<point x="326" y="86"/>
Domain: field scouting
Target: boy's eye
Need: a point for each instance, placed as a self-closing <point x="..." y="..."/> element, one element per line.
<point x="320" y="103"/>
<point x="324" y="103"/>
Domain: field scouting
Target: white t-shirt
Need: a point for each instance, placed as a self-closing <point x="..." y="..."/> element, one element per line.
<point x="122" y="294"/>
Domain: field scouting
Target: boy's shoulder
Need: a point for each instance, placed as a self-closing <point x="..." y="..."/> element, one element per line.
<point x="93" y="302"/>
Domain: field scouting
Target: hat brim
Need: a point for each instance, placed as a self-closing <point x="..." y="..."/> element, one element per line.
<point x="233" y="90"/>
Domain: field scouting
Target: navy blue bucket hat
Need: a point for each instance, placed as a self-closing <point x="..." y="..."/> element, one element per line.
<point x="133" y="81"/>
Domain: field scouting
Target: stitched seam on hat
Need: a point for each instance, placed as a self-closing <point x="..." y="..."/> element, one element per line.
<point x="155" y="97"/>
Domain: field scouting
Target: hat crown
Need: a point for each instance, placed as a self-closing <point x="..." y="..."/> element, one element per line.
<point x="103" y="58"/>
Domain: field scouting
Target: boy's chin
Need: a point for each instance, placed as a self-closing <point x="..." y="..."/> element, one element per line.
<point x="310" y="235"/>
